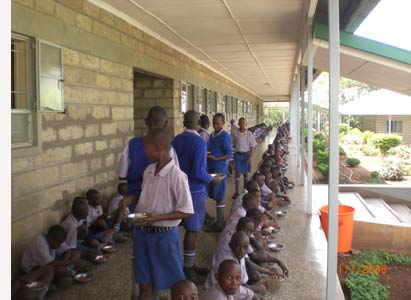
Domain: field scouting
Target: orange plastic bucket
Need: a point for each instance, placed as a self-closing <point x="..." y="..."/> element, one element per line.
<point x="345" y="226"/>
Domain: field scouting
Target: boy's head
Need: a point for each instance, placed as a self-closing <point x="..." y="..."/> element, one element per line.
<point x="245" y="224"/>
<point x="156" y="117"/>
<point x="241" y="123"/>
<point x="260" y="179"/>
<point x="256" y="215"/>
<point x="122" y="188"/>
<point x="204" y="121"/>
<point x="249" y="201"/>
<point x="156" y="142"/>
<point x="218" y="121"/>
<point x="232" y="121"/>
<point x="239" y="244"/>
<point x="267" y="176"/>
<point x="56" y="236"/>
<point x="93" y="197"/>
<point x="252" y="186"/>
<point x="229" y="276"/>
<point x="184" y="290"/>
<point x="191" y="119"/>
<point x="79" y="208"/>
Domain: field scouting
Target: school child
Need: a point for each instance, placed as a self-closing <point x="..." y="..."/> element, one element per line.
<point x="248" y="202"/>
<point x="204" y="125"/>
<point x="184" y="290"/>
<point x="228" y="282"/>
<point x="20" y="290"/>
<point x="239" y="246"/>
<point x="233" y="128"/>
<point x="166" y="199"/>
<point x="191" y="152"/>
<point x="219" y="148"/>
<point x="244" y="144"/>
<point x="268" y="198"/>
<point x="116" y="210"/>
<point x="274" y="187"/>
<point x="133" y="159"/>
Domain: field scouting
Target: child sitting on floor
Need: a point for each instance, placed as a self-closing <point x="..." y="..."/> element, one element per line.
<point x="239" y="245"/>
<point x="20" y="289"/>
<point x="228" y="282"/>
<point x="269" y="199"/>
<point x="184" y="290"/>
<point x="117" y="210"/>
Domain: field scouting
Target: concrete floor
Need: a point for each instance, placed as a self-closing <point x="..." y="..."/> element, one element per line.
<point x="305" y="252"/>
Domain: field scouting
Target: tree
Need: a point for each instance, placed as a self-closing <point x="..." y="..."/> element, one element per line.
<point x="275" y="116"/>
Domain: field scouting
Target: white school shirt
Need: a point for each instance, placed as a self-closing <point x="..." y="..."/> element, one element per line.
<point x="204" y="134"/>
<point x="70" y="224"/>
<point x="216" y="293"/>
<point x="94" y="213"/>
<point x="115" y="203"/>
<point x="233" y="129"/>
<point x="243" y="141"/>
<point x="125" y="161"/>
<point x="166" y="192"/>
<point x="37" y="254"/>
<point x="265" y="190"/>
<point x="220" y="256"/>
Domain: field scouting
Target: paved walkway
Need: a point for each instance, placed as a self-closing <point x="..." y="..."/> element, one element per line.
<point x="304" y="254"/>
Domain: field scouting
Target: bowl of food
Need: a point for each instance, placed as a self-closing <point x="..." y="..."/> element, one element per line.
<point x="280" y="213"/>
<point x="35" y="285"/>
<point x="108" y="249"/>
<point x="275" y="247"/>
<point x="218" y="175"/>
<point x="84" y="277"/>
<point x="100" y="259"/>
<point x="132" y="218"/>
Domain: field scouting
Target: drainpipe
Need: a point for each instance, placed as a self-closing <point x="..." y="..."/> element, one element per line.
<point x="310" y="118"/>
<point x="297" y="127"/>
<point x="334" y="49"/>
<point x="389" y="124"/>
<point x="302" y="138"/>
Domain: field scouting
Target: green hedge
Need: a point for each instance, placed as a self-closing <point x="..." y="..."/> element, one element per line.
<point x="352" y="162"/>
<point x="385" y="142"/>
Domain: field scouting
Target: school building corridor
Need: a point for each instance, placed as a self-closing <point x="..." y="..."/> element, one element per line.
<point x="304" y="251"/>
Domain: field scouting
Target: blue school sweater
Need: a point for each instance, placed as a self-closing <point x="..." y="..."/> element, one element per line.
<point x="219" y="145"/>
<point x="138" y="163"/>
<point x="191" y="152"/>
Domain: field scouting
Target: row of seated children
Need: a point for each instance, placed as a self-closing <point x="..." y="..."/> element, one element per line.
<point x="52" y="259"/>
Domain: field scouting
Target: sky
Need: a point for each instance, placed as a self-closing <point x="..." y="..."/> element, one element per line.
<point x="389" y="23"/>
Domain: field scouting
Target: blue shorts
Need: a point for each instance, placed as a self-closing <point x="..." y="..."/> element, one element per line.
<point x="157" y="258"/>
<point x="195" y="222"/>
<point x="242" y="164"/>
<point x="217" y="191"/>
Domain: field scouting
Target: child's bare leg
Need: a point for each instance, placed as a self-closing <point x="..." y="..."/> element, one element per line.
<point x="146" y="291"/>
<point x="43" y="274"/>
<point x="258" y="289"/>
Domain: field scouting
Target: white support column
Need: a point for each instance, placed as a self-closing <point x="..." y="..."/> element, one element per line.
<point x="318" y="120"/>
<point x="302" y="138"/>
<point x="334" y="41"/>
<point x="389" y="124"/>
<point x="310" y="119"/>
<point x="297" y="98"/>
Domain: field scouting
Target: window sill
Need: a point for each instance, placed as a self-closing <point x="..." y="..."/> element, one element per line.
<point x="25" y="151"/>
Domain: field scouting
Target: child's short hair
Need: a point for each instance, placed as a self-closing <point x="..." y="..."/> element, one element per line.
<point x="156" y="116"/>
<point x="77" y="204"/>
<point x="219" y="115"/>
<point x="252" y="187"/>
<point x="122" y="188"/>
<point x="242" y="118"/>
<point x="158" y="137"/>
<point x="179" y="287"/>
<point x="248" y="200"/>
<point x="191" y="119"/>
<point x="225" y="264"/>
<point x="256" y="176"/>
<point x="242" y="223"/>
<point x="90" y="193"/>
<point x="57" y="232"/>
<point x="204" y="120"/>
<point x="255" y="214"/>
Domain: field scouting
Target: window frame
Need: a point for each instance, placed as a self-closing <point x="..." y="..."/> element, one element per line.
<point x="394" y="125"/>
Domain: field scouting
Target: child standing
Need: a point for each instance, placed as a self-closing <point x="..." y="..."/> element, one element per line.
<point x="191" y="151"/>
<point x="219" y="147"/>
<point x="244" y="144"/>
<point x="166" y="199"/>
<point x="204" y="125"/>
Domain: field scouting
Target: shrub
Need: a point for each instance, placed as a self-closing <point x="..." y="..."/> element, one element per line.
<point x="375" y="177"/>
<point x="342" y="151"/>
<point x="399" y="151"/>
<point x="367" y="136"/>
<point x="355" y="131"/>
<point x="344" y="128"/>
<point x="352" y="162"/>
<point x="322" y="157"/>
<point x="369" y="150"/>
<point x="407" y="170"/>
<point x="392" y="169"/>
<point x="323" y="168"/>
<point x="352" y="139"/>
<point x="319" y="145"/>
<point x="385" y="142"/>
<point x="320" y="136"/>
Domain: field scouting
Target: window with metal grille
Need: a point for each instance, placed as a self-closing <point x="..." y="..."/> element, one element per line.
<point x="396" y="126"/>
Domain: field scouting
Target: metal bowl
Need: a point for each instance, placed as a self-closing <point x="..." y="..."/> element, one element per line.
<point x="84" y="277"/>
<point x="100" y="259"/>
<point x="280" y="213"/>
<point x="218" y="174"/>
<point x="36" y="285"/>
<point x="109" y="249"/>
<point x="275" y="247"/>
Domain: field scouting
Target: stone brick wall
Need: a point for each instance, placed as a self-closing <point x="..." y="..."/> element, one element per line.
<point x="80" y="148"/>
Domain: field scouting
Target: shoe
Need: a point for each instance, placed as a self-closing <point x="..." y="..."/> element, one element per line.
<point x="208" y="219"/>
<point x="235" y="196"/>
<point x="200" y="270"/>
<point x="191" y="275"/>
<point x="214" y="228"/>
